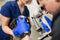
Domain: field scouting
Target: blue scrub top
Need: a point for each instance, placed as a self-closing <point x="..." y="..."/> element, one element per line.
<point x="11" y="10"/>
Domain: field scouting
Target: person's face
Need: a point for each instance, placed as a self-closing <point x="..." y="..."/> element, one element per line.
<point x="49" y="5"/>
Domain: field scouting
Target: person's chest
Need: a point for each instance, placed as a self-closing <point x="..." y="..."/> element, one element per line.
<point x="15" y="12"/>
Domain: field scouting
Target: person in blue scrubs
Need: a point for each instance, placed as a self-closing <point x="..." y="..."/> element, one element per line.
<point x="11" y="10"/>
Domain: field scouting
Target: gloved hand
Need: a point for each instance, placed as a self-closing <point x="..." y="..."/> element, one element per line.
<point x="21" y="27"/>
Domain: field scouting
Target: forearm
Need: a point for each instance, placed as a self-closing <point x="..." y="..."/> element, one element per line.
<point x="7" y="30"/>
<point x="27" y="37"/>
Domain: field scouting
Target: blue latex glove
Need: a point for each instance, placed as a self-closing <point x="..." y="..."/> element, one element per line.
<point x="21" y="27"/>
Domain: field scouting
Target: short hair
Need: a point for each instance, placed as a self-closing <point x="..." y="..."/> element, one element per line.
<point x="57" y="0"/>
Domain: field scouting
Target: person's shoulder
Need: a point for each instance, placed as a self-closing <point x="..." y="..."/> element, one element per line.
<point x="8" y="4"/>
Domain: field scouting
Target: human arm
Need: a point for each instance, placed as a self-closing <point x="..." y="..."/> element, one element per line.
<point x="5" y="17"/>
<point x="5" y="28"/>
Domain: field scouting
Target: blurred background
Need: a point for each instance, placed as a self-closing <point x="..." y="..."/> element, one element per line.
<point x="34" y="7"/>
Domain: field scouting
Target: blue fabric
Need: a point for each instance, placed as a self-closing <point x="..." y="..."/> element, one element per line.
<point x="21" y="27"/>
<point x="2" y="34"/>
<point x="48" y="21"/>
<point x="11" y="10"/>
<point x="44" y="25"/>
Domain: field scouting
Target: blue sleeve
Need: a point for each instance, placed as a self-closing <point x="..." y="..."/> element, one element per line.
<point x="5" y="11"/>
